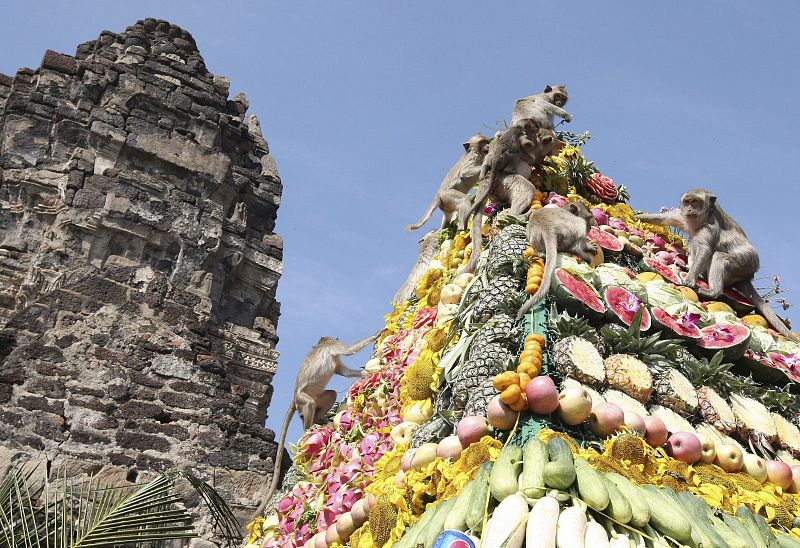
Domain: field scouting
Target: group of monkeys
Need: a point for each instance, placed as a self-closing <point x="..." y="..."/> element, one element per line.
<point x="719" y="249"/>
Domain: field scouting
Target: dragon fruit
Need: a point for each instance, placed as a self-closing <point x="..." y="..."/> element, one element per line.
<point x="603" y="187"/>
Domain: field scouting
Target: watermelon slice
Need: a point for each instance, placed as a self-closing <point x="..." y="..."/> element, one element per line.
<point x="654" y="265"/>
<point x="732" y="298"/>
<point x="576" y="294"/>
<point x="789" y="363"/>
<point x="731" y="338"/>
<point x="605" y="240"/>
<point x="622" y="305"/>
<point x="685" y="325"/>
<point x="763" y="370"/>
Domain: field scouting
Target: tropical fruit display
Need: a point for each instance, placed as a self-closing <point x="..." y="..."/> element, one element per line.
<point x="622" y="410"/>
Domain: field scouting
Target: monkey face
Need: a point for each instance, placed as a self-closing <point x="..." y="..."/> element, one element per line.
<point x="477" y="143"/>
<point x="695" y="205"/>
<point x="559" y="99"/>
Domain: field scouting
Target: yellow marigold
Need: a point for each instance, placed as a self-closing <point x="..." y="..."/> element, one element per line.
<point x="569" y="151"/>
<point x="461" y="240"/>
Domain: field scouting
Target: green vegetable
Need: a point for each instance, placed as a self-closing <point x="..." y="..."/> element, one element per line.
<point x="457" y="518"/>
<point x="591" y="487"/>
<point x="640" y="511"/>
<point x="531" y="480"/>
<point x="559" y="473"/>
<point x="665" y="515"/>
<point x="505" y="472"/>
<point x="477" y="508"/>
<point x="619" y="507"/>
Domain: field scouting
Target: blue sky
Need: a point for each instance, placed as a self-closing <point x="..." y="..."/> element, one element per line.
<point x="365" y="106"/>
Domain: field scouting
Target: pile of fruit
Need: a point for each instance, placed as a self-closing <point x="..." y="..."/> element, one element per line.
<point x="622" y="411"/>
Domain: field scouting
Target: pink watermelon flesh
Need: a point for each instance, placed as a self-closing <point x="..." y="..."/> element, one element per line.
<point x="579" y="290"/>
<point x="731" y="297"/>
<point x="790" y="364"/>
<point x="654" y="265"/>
<point x="624" y="305"/>
<point x="683" y="326"/>
<point x="605" y="240"/>
<point x="732" y="338"/>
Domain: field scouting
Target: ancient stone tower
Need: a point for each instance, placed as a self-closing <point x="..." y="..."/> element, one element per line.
<point x="138" y="264"/>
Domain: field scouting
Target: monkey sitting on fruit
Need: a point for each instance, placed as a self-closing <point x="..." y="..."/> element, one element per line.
<point x="719" y="251"/>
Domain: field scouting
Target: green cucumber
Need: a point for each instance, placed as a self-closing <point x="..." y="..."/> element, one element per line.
<point x="531" y="480"/>
<point x="559" y="473"/>
<point x="477" y="508"/>
<point x="696" y="508"/>
<point x="435" y="526"/>
<point x="505" y="472"/>
<point x="785" y="541"/>
<point x="409" y="539"/>
<point x="619" y="508"/>
<point x="639" y="509"/>
<point x="665" y="516"/>
<point x="739" y="529"/>
<point x="591" y="487"/>
<point x="728" y="536"/>
<point x="457" y="518"/>
<point x="748" y="520"/>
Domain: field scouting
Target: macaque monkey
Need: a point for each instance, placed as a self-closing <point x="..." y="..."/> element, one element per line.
<point x="311" y="400"/>
<point x="452" y="195"/>
<point x="558" y="230"/>
<point x="719" y="250"/>
<point x="509" y="186"/>
<point x="543" y="107"/>
<point x="428" y="246"/>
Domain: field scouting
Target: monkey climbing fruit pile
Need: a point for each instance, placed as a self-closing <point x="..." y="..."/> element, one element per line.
<point x="622" y="410"/>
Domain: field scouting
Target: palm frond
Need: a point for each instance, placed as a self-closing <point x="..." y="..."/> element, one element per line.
<point x="88" y="514"/>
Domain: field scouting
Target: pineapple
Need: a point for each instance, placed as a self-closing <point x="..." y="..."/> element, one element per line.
<point x="479" y="398"/>
<point x="629" y="375"/>
<point x="578" y="358"/>
<point x="754" y="417"/>
<point x="502" y="329"/>
<point x="432" y="431"/>
<point x="675" y="391"/>
<point x="563" y="325"/>
<point x="484" y="363"/>
<point x="715" y="410"/>
<point x="507" y="248"/>
<point x="673" y="421"/>
<point x="788" y="434"/>
<point x="625" y="402"/>
<point x="498" y="293"/>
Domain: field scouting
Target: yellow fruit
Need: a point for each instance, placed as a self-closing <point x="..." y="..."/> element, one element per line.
<point x="524" y="379"/>
<point x="755" y="319"/>
<point x="530" y="252"/>
<point x="598" y="258"/>
<point x="645" y="277"/>
<point x="504" y="380"/>
<point x="688" y="293"/>
<point x="538" y="337"/>
<point x="511" y="394"/>
<point x="716" y="306"/>
<point x="521" y="404"/>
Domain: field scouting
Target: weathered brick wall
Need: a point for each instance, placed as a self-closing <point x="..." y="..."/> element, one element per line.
<point x="138" y="264"/>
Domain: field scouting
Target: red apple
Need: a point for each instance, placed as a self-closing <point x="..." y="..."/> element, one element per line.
<point x="709" y="450"/>
<point x="500" y="415"/>
<point x="635" y="422"/>
<point x="542" y="395"/>
<point x="575" y="405"/>
<point x="471" y="429"/>
<point x="656" y="431"/>
<point x="685" y="447"/>
<point x="606" y="418"/>
<point x="755" y="467"/>
<point x="795" y="487"/>
<point x="779" y="473"/>
<point x="729" y="457"/>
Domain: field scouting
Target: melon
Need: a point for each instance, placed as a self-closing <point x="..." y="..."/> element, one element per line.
<point x="648" y="276"/>
<point x="663" y="295"/>
<point x="605" y="240"/>
<point x="576" y="294"/>
<point x="732" y="298"/>
<point x="654" y="265"/>
<point x="789" y="364"/>
<point x="683" y="326"/>
<point x="623" y="305"/>
<point x="753" y="320"/>
<point x="731" y="338"/>
<point x="762" y="368"/>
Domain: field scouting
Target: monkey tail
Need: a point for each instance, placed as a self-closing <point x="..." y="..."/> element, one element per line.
<point x="431" y="209"/>
<point x="747" y="289"/>
<point x="277" y="470"/>
<point x="477" y="243"/>
<point x="550" y="259"/>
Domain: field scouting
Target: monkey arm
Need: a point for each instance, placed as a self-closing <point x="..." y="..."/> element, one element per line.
<point x="357" y="347"/>
<point x="469" y="171"/>
<point x="670" y="218"/>
<point x="558" y="111"/>
<point x="703" y="244"/>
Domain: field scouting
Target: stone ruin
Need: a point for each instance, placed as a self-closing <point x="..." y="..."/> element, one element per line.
<point x="138" y="266"/>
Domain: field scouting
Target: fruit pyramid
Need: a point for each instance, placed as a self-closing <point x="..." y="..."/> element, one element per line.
<point x="674" y="425"/>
